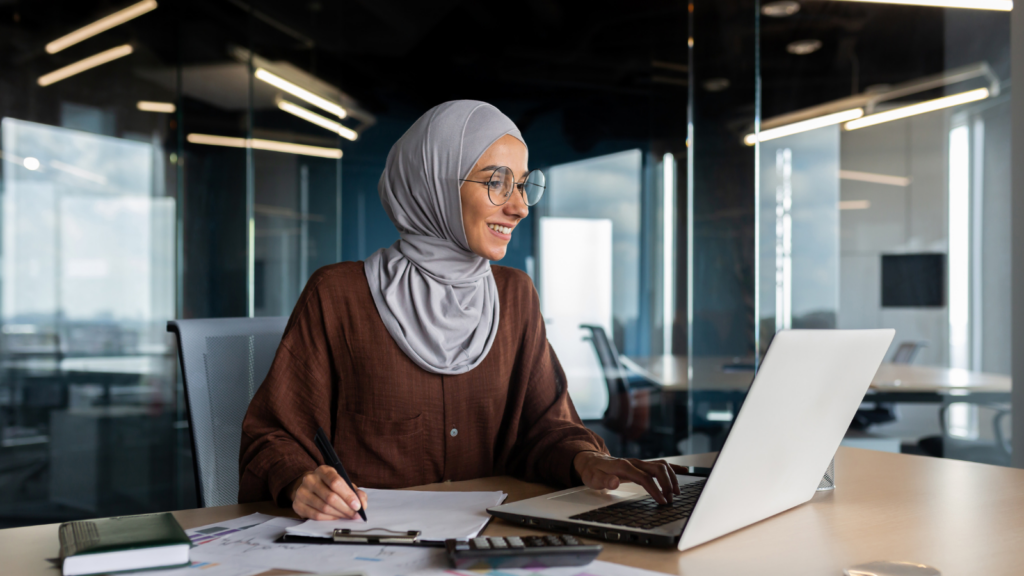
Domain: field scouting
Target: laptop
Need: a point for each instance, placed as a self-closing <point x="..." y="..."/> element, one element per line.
<point x="797" y="410"/>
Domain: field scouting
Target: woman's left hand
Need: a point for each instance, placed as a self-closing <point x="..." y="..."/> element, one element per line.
<point x="603" y="472"/>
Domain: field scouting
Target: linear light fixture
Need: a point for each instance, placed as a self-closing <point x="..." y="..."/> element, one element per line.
<point x="162" y="107"/>
<point x="1004" y="5"/>
<point x="86" y="64"/>
<point x="874" y="178"/>
<point x="300" y="92"/>
<point x="261" y="144"/>
<point x="310" y="116"/>
<point x="804" y="126"/>
<point x="915" y="109"/>
<point x="958" y="257"/>
<point x="101" y="25"/>
<point x="854" y="204"/>
<point x="668" y="193"/>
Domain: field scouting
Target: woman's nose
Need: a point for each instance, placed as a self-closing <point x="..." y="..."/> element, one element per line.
<point x="516" y="205"/>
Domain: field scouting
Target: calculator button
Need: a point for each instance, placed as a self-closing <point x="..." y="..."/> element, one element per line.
<point x="462" y="546"/>
<point x="498" y="543"/>
<point x="570" y="540"/>
<point x="481" y="544"/>
<point x="515" y="542"/>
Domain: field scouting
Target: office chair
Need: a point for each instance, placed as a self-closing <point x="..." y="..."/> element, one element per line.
<point x="632" y="402"/>
<point x="223" y="363"/>
<point x="996" y="452"/>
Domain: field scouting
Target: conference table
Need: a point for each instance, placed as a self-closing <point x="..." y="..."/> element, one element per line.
<point x="961" y="517"/>
<point x="892" y="382"/>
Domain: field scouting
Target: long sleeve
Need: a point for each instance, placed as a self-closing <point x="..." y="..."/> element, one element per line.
<point x="551" y="433"/>
<point x="293" y="400"/>
<point x="393" y="424"/>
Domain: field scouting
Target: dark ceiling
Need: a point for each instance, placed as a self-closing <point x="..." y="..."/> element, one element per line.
<point x="616" y="69"/>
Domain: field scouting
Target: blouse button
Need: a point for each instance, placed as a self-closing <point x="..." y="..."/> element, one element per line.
<point x="454" y="432"/>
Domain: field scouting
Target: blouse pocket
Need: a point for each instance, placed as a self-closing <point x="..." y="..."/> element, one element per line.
<point x="384" y="453"/>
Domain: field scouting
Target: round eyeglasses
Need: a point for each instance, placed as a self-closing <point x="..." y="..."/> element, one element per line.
<point x="502" y="181"/>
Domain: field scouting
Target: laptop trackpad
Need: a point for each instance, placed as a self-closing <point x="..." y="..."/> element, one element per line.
<point x="595" y="498"/>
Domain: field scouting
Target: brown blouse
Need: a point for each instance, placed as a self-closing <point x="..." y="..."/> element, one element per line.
<point x="392" y="423"/>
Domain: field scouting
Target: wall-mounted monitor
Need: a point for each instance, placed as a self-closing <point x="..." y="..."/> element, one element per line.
<point x="913" y="280"/>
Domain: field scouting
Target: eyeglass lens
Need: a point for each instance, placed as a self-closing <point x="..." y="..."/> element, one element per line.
<point x="499" y="186"/>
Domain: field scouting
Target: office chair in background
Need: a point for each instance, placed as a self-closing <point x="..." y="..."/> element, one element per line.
<point x="223" y="363"/>
<point x="634" y="404"/>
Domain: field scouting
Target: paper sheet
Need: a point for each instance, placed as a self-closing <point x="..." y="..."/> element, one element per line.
<point x="255" y="547"/>
<point x="438" y="515"/>
<point x="207" y="569"/>
<point x="211" y="532"/>
<point x="596" y="568"/>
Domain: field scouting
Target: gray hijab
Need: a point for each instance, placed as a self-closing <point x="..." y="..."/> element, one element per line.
<point x="436" y="297"/>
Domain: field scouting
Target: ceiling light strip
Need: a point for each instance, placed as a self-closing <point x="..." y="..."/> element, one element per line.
<point x="101" y="25"/>
<point x="854" y="204"/>
<point x="804" y="126"/>
<point x="86" y="64"/>
<point x="310" y="116"/>
<point x="915" y="109"/>
<point x="1004" y="5"/>
<point x="874" y="178"/>
<point x="299" y="92"/>
<point x="261" y="144"/>
<point x="163" y="107"/>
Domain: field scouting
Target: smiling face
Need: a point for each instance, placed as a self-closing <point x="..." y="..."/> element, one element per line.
<point x="488" y="227"/>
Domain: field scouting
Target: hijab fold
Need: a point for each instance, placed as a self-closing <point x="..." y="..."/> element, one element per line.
<point x="437" y="298"/>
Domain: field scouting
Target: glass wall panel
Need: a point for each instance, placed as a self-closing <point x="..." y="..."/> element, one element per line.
<point x="917" y="150"/>
<point x="589" y="251"/>
<point x="721" y="223"/>
<point x="89" y="411"/>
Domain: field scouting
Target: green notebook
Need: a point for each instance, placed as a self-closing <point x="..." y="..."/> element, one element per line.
<point x="122" y="543"/>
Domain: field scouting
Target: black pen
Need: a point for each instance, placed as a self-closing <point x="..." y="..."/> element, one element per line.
<point x="331" y="459"/>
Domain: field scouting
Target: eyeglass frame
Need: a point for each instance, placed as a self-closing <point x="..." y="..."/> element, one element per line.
<point x="515" y="184"/>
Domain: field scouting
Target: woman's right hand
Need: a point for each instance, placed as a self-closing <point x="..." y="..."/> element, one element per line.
<point x="322" y="494"/>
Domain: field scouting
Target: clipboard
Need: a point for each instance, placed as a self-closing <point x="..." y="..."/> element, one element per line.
<point x="381" y="536"/>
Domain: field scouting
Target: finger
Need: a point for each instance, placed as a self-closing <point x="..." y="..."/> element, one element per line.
<point x="660" y="471"/>
<point x="680" y="469"/>
<point x="332" y="502"/>
<point x="306" y="511"/>
<point x="362" y="498"/>
<point x="320" y="498"/>
<point x="337" y="484"/>
<point x="625" y="469"/>
<point x="672" y="480"/>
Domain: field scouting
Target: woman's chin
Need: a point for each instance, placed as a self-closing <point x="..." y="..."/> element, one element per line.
<point x="495" y="253"/>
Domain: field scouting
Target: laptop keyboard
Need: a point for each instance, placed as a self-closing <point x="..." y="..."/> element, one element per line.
<point x="645" y="514"/>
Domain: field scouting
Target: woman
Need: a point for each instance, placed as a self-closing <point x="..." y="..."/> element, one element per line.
<point x="425" y="363"/>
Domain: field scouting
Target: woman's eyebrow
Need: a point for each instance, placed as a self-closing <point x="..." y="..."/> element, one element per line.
<point x="488" y="168"/>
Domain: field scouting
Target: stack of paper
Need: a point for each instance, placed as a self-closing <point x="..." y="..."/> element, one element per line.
<point x="437" y="515"/>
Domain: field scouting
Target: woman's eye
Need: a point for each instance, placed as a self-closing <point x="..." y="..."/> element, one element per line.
<point x="494" y="184"/>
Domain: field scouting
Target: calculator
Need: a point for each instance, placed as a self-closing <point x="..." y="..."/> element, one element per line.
<point x="488" y="553"/>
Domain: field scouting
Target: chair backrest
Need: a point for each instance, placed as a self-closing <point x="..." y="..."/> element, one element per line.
<point x="223" y="363"/>
<point x="618" y="416"/>
<point x="906" y="352"/>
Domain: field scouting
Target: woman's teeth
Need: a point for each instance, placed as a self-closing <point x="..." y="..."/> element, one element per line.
<point x="502" y="229"/>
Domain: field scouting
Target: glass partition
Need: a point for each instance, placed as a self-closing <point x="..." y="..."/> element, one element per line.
<point x="891" y="148"/>
<point x="721" y="220"/>
<point x="90" y="422"/>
